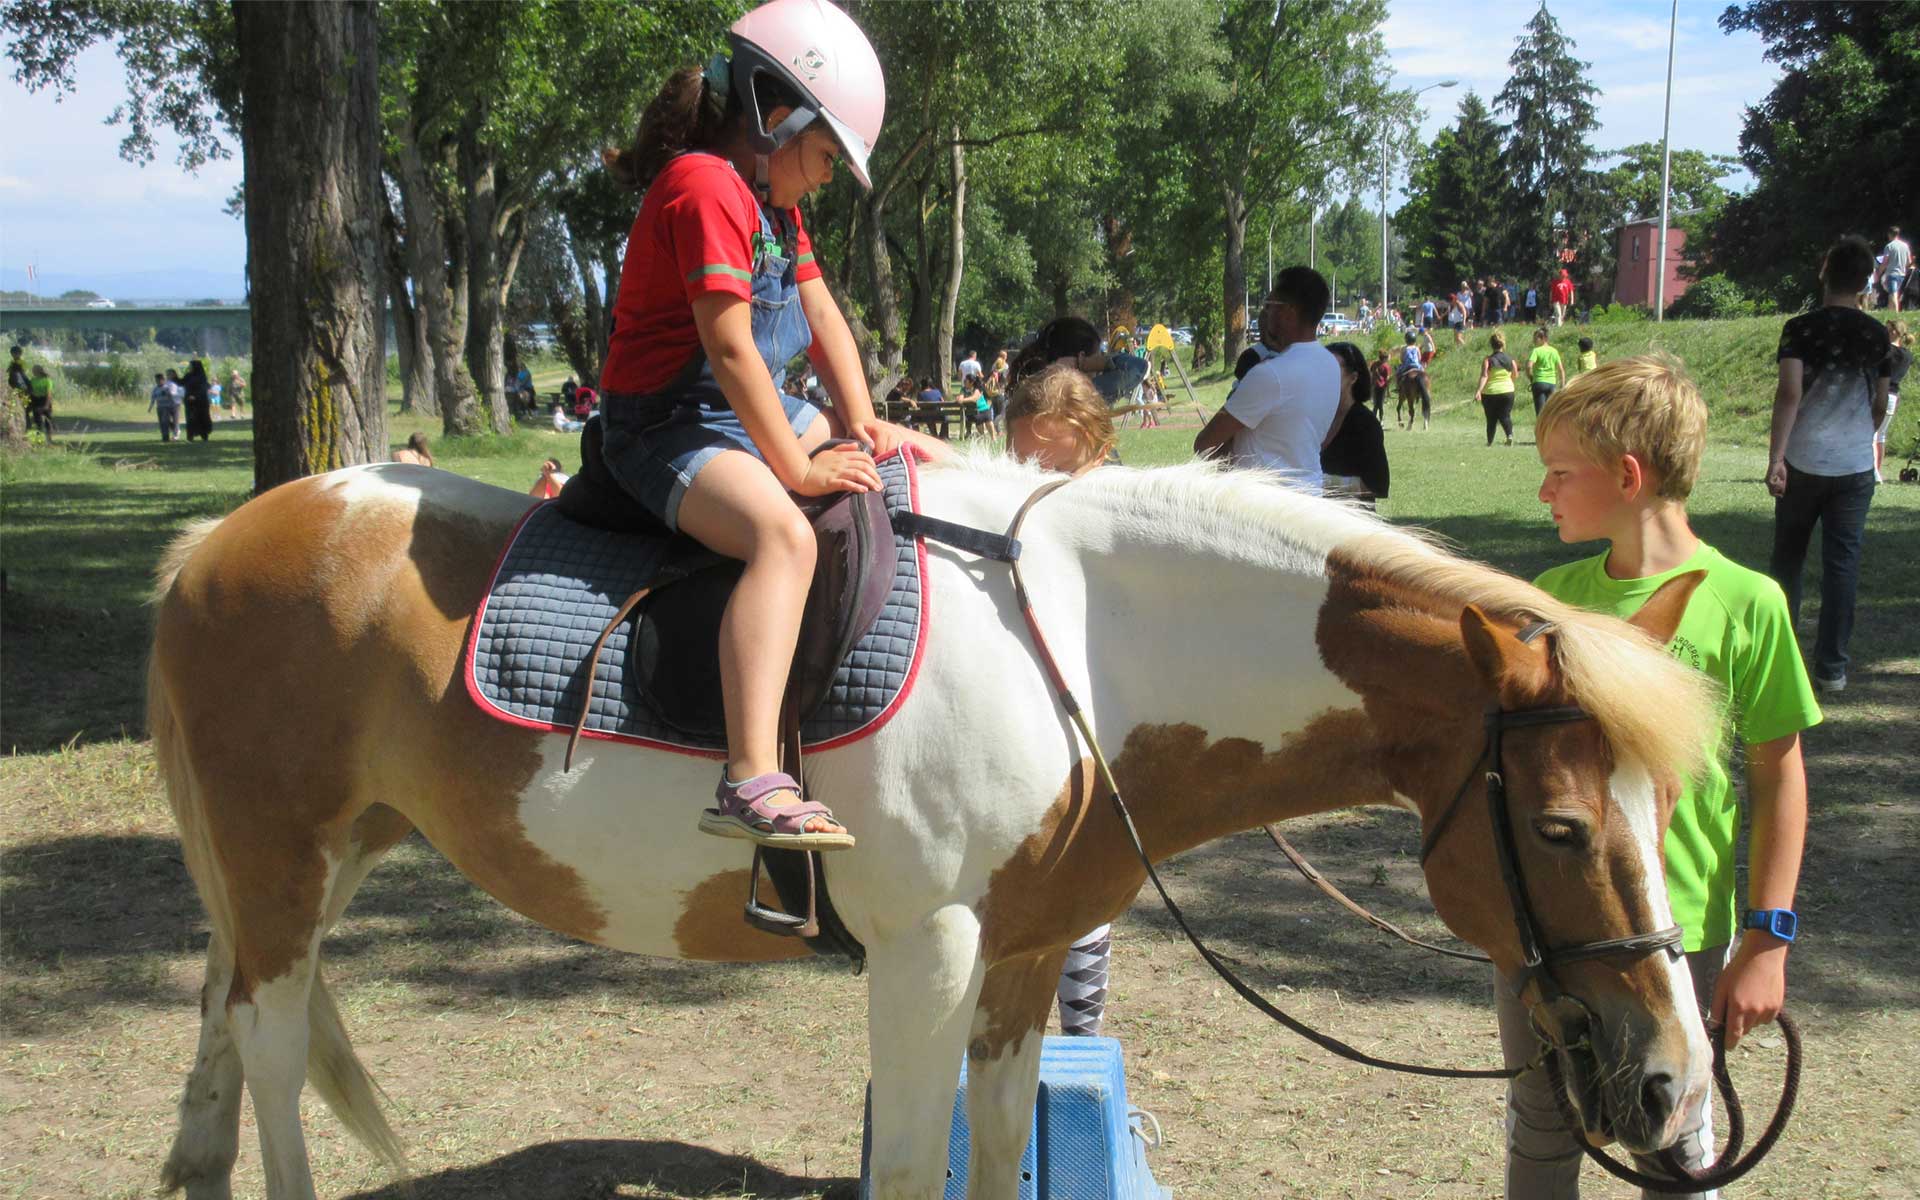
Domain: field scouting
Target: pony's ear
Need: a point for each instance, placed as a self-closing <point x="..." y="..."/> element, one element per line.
<point x="1517" y="672"/>
<point x="1661" y="614"/>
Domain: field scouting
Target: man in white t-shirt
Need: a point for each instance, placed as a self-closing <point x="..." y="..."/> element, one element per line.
<point x="1278" y="416"/>
<point x="970" y="367"/>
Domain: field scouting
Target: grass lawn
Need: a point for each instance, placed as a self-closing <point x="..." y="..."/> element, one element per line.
<point x="522" y="1064"/>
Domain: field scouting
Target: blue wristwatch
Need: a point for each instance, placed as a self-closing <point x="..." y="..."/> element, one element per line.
<point x="1782" y="923"/>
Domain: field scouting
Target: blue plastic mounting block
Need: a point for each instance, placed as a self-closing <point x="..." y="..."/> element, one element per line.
<point x="1082" y="1146"/>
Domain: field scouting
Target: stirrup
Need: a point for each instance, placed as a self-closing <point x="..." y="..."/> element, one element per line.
<point x="773" y="920"/>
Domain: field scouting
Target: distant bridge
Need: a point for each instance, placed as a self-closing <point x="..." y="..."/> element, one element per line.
<point x="212" y="325"/>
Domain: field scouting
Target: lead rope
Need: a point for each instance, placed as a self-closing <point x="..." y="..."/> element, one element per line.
<point x="1685" y="1179"/>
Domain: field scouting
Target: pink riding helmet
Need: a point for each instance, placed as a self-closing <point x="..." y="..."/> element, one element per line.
<point x="815" y="48"/>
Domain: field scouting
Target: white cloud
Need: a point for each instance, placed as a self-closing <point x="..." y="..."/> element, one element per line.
<point x="73" y="205"/>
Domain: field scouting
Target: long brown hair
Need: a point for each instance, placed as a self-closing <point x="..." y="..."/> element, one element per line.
<point x="689" y="112"/>
<point x="1057" y="339"/>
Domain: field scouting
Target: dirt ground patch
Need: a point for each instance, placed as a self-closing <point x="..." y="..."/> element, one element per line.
<point x="521" y="1064"/>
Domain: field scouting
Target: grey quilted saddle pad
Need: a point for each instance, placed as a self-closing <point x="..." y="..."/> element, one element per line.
<point x="560" y="582"/>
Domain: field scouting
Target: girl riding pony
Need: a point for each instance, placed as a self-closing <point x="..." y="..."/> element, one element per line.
<point x="718" y="293"/>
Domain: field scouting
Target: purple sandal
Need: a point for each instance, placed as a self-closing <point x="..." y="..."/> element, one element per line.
<point x="744" y="813"/>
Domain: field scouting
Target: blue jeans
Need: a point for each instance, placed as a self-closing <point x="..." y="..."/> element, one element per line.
<point x="1839" y="503"/>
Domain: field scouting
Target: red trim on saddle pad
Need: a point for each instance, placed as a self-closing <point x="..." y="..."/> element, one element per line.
<point x="910" y="456"/>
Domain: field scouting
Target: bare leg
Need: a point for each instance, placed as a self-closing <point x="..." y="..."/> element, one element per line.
<point x="738" y="508"/>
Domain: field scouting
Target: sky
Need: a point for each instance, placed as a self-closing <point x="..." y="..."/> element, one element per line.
<point x="88" y="218"/>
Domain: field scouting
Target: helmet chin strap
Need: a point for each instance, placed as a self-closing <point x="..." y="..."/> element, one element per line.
<point x="762" y="178"/>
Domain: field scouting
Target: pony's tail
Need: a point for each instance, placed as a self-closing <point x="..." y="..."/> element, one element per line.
<point x="342" y="1081"/>
<point x="332" y="1066"/>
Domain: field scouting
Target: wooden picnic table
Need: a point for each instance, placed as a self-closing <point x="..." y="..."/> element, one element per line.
<point x="937" y="419"/>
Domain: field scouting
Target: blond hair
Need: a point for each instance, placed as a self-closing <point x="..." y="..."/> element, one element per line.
<point x="1646" y="406"/>
<point x="1064" y="394"/>
<point x="1899" y="334"/>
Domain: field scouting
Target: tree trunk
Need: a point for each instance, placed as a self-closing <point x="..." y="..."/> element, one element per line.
<point x="871" y="362"/>
<point x="884" y="301"/>
<point x="956" y="255"/>
<point x="1120" y="301"/>
<point x="1233" y="285"/>
<point x="595" y="331"/>
<point x="486" y="358"/>
<point x="310" y="137"/>
<point x="440" y="307"/>
<point x="409" y="328"/>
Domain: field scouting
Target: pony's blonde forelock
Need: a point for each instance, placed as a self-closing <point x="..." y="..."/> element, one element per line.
<point x="1654" y="711"/>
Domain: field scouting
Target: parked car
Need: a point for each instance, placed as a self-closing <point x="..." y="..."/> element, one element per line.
<point x="101" y="303"/>
<point x="1335" y="322"/>
<point x="1183" y="336"/>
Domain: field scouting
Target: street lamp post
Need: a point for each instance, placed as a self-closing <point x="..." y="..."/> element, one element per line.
<point x="1666" y="167"/>
<point x="1386" y="169"/>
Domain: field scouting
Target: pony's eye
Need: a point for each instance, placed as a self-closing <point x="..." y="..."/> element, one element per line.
<point x="1559" y="831"/>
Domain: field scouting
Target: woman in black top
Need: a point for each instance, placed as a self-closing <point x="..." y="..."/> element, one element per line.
<point x="1354" y="456"/>
<point x="199" y="407"/>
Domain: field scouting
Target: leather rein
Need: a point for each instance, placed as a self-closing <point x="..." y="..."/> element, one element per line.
<point x="1559" y="1019"/>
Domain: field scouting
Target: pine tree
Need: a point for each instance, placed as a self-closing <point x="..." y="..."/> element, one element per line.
<point x="1549" y="157"/>
<point x="1457" y="226"/>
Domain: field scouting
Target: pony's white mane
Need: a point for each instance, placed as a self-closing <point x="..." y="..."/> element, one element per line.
<point x="1654" y="711"/>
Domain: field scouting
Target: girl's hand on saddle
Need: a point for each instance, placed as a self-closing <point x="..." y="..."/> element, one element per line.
<point x="841" y="469"/>
<point x="882" y="437"/>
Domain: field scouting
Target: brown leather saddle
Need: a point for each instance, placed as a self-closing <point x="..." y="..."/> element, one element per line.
<point x="676" y="634"/>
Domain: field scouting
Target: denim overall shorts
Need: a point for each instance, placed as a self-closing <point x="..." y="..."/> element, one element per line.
<point x="657" y="444"/>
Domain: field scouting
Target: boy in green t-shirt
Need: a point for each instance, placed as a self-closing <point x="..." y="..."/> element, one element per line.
<point x="1622" y="445"/>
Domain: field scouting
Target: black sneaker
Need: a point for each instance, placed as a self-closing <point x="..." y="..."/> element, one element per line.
<point x="1831" y="685"/>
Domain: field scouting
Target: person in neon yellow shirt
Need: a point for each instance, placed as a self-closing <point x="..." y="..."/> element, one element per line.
<point x="1545" y="369"/>
<point x="1621" y="446"/>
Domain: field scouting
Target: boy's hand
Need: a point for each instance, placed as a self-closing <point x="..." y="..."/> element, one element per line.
<point x="1753" y="987"/>
<point x="1777" y="477"/>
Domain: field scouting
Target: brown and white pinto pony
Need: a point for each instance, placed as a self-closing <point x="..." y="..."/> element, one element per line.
<point x="1334" y="662"/>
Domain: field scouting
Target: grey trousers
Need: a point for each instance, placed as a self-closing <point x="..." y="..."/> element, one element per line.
<point x="1543" y="1156"/>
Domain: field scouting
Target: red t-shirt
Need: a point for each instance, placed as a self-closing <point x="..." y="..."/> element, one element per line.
<point x="1563" y="291"/>
<point x="693" y="235"/>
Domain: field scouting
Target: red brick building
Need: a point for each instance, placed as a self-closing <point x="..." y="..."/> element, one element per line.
<point x="1639" y="246"/>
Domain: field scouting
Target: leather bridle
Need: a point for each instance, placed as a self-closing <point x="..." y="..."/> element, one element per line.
<point x="1536" y="960"/>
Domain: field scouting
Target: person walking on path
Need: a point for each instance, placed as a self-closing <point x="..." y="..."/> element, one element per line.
<point x="40" y="402"/>
<point x="1495" y="393"/>
<point x="1562" y="296"/>
<point x="164" y="403"/>
<point x="1278" y="417"/>
<point x="1896" y="261"/>
<point x="1545" y="369"/>
<point x="198" y="403"/>
<point x="237" y="394"/>
<point x="1831" y="396"/>
<point x="970" y="367"/>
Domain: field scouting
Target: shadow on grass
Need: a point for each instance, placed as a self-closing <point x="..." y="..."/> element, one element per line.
<point x="588" y="1168"/>
<point x="94" y="921"/>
